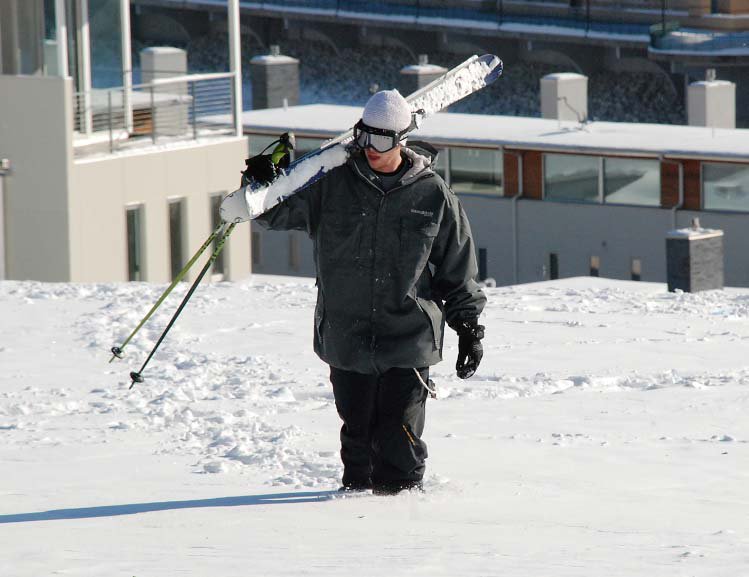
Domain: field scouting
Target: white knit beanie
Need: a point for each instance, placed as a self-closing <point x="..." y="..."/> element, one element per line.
<point x="388" y="110"/>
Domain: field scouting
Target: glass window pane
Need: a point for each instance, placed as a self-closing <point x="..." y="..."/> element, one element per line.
<point x="176" y="236"/>
<point x="475" y="171"/>
<point x="135" y="244"/>
<point x="258" y="142"/>
<point x="106" y="43"/>
<point x="218" y="264"/>
<point x="306" y="145"/>
<point x="553" y="266"/>
<point x="440" y="164"/>
<point x="257" y="248"/>
<point x="725" y="186"/>
<point x="632" y="181"/>
<point x="571" y="177"/>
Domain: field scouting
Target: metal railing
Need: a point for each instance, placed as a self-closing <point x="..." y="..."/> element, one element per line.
<point x="685" y="40"/>
<point x="604" y="16"/>
<point x="184" y="107"/>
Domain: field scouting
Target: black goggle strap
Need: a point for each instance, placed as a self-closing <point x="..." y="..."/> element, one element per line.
<point x="395" y="137"/>
<point x="360" y="127"/>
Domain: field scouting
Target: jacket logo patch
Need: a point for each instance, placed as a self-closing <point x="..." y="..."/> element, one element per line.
<point x="422" y="212"/>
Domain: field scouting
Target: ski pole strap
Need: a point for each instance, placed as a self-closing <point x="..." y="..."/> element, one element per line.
<point x="137" y="377"/>
<point x="117" y="352"/>
<point x="430" y="387"/>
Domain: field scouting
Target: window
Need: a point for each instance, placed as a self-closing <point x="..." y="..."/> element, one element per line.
<point x="553" y="266"/>
<point x="613" y="180"/>
<point x="258" y="143"/>
<point x="725" y="186"/>
<point x="636" y="269"/>
<point x="440" y="165"/>
<point x="571" y="177"/>
<point x="595" y="265"/>
<point x="176" y="236"/>
<point x="257" y="247"/>
<point x="294" y="252"/>
<point x="104" y="31"/>
<point x="218" y="264"/>
<point x="306" y="145"/>
<point x="475" y="171"/>
<point x="134" y="218"/>
<point x="632" y="181"/>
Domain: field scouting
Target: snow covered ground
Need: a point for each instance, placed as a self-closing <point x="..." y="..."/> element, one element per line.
<point x="604" y="434"/>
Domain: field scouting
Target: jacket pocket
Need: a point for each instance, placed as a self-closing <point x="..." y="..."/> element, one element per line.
<point x="340" y="240"/>
<point x="416" y="239"/>
<point x="433" y="314"/>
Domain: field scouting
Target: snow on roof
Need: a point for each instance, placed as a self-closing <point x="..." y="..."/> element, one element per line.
<point x="565" y="76"/>
<point x="273" y="59"/>
<point x="694" y="233"/>
<point x="423" y="69"/>
<point x="523" y="132"/>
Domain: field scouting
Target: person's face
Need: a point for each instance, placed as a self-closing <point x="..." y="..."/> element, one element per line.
<point x="384" y="161"/>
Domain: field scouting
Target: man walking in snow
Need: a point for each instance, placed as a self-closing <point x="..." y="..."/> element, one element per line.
<point x="395" y="260"/>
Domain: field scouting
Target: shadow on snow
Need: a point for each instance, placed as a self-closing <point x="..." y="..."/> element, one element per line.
<point x="135" y="508"/>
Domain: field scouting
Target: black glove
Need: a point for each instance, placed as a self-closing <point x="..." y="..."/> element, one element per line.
<point x="470" y="350"/>
<point x="260" y="170"/>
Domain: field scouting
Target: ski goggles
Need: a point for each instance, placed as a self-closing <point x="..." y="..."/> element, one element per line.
<point x="379" y="139"/>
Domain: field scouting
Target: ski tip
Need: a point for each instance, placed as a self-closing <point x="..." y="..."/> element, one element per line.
<point x="495" y="63"/>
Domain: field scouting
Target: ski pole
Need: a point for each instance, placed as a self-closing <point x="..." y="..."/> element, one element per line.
<point x="137" y="377"/>
<point x="117" y="352"/>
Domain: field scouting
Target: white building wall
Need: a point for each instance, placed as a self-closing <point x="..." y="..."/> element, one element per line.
<point x="575" y="231"/>
<point x="35" y="128"/>
<point x="615" y="234"/>
<point x="101" y="189"/>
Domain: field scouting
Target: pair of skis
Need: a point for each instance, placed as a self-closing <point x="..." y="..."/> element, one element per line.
<point x="465" y="79"/>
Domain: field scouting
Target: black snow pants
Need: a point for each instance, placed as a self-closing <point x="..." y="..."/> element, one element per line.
<point x="383" y="419"/>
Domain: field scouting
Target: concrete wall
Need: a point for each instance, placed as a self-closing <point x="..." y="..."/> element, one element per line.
<point x="102" y="188"/>
<point x="2" y="227"/>
<point x="491" y="225"/>
<point x="274" y="253"/>
<point x="616" y="234"/>
<point x="35" y="128"/>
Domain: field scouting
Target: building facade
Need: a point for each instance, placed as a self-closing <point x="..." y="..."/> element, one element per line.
<point x="550" y="199"/>
<point x="117" y="183"/>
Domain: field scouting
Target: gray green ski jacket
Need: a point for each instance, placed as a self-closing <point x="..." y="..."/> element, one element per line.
<point x="391" y="267"/>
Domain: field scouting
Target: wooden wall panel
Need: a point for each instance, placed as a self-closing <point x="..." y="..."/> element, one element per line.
<point x="692" y="185"/>
<point x="510" y="168"/>
<point x="533" y="174"/>
<point x="669" y="184"/>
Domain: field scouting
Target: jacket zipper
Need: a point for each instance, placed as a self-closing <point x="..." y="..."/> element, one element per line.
<point x="408" y="434"/>
<point x="382" y="193"/>
<point x="373" y="280"/>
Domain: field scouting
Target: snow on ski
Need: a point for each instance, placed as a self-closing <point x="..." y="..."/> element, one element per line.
<point x="473" y="74"/>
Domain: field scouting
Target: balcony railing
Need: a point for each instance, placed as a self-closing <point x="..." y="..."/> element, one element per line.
<point x="167" y="109"/>
<point x="602" y="16"/>
<point x="701" y="41"/>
